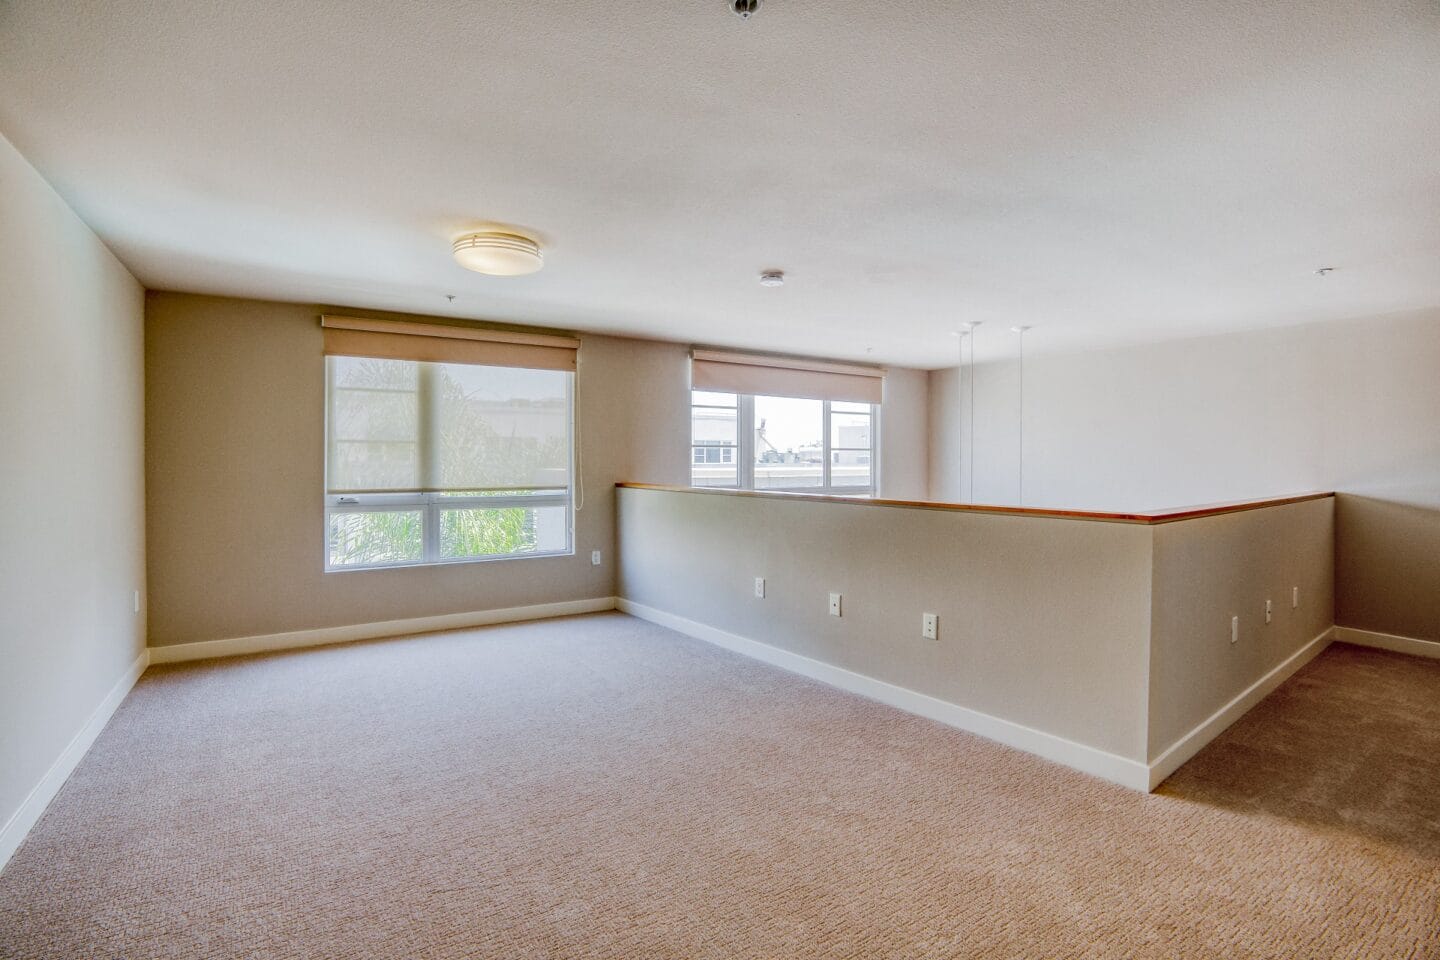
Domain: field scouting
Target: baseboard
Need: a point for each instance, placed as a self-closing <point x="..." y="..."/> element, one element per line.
<point x="237" y="646"/>
<point x="18" y="827"/>
<point x="1388" y="641"/>
<point x="1109" y="766"/>
<point x="1196" y="740"/>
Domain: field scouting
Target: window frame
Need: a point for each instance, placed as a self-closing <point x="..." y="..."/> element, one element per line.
<point x="432" y="504"/>
<point x="744" y="448"/>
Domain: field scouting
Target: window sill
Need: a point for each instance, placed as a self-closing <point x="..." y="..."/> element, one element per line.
<point x="458" y="561"/>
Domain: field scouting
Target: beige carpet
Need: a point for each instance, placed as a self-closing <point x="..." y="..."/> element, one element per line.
<point x="600" y="787"/>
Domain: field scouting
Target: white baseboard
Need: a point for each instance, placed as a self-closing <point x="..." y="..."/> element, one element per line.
<point x="236" y="646"/>
<point x="21" y="822"/>
<point x="1194" y="741"/>
<point x="1388" y="641"/>
<point x="1109" y="766"/>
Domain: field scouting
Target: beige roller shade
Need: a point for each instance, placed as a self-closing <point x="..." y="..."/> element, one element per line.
<point x="785" y="377"/>
<point x="397" y="426"/>
<point x="441" y="343"/>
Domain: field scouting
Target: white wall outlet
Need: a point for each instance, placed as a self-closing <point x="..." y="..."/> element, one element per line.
<point x="1269" y="611"/>
<point x="1234" y="629"/>
<point x="1294" y="598"/>
<point x="930" y="626"/>
<point x="834" y="604"/>
<point x="595" y="558"/>
<point x="760" y="587"/>
<point x="135" y="601"/>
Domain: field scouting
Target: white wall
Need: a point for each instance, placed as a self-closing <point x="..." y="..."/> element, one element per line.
<point x="1197" y="421"/>
<point x="985" y="399"/>
<point x="1347" y="406"/>
<point x="71" y="471"/>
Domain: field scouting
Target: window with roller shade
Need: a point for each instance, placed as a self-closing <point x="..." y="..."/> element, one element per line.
<point x="429" y="461"/>
<point x="766" y="423"/>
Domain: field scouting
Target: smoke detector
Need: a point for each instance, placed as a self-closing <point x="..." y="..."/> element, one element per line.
<point x="744" y="9"/>
<point x="772" y="278"/>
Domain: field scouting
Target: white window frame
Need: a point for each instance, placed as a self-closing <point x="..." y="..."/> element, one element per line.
<point x="745" y="449"/>
<point x="431" y="505"/>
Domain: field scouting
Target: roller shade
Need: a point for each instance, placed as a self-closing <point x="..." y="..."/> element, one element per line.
<point x="441" y="343"/>
<point x="402" y="426"/>
<point x="785" y="377"/>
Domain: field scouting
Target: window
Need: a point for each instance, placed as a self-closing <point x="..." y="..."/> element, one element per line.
<point x="714" y="439"/>
<point x="758" y="442"/>
<point x="431" y="462"/>
<point x="762" y="422"/>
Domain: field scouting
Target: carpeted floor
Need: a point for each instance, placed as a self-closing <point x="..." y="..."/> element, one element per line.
<point x="600" y="787"/>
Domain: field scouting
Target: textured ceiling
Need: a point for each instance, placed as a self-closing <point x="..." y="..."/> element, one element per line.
<point x="1107" y="172"/>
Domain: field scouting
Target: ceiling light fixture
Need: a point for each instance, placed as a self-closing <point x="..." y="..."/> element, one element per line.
<point x="498" y="254"/>
<point x="745" y="9"/>
<point x="772" y="278"/>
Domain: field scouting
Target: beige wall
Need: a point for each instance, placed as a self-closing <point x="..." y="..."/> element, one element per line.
<point x="1210" y="569"/>
<point x="1350" y="406"/>
<point x="235" y="455"/>
<point x="905" y="435"/>
<point x="235" y="449"/>
<point x="1110" y="635"/>
<point x="1043" y="622"/>
<point x="946" y="477"/>
<point x="1382" y="450"/>
<point x="1387" y="566"/>
<point x="71" y="517"/>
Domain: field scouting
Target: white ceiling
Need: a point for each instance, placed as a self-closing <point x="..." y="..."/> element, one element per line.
<point x="1108" y="172"/>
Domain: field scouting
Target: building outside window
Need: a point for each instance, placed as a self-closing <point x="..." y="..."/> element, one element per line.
<point x="760" y="442"/>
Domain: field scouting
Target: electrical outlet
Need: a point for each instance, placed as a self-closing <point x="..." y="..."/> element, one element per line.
<point x="930" y="626"/>
<point x="1294" y="598"/>
<point x="1269" y="611"/>
<point x="835" y="605"/>
<point x="1234" y="629"/>
<point x="760" y="587"/>
<point x="595" y="558"/>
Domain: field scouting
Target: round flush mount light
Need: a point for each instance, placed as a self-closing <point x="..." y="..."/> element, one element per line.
<point x="772" y="278"/>
<point x="498" y="254"/>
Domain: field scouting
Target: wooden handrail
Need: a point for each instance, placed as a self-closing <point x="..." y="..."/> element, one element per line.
<point x="1142" y="517"/>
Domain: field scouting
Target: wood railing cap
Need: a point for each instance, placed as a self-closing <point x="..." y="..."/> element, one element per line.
<point x="1141" y="517"/>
